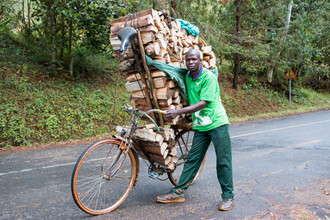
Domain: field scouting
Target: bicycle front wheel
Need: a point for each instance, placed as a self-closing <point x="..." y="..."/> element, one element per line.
<point x="103" y="177"/>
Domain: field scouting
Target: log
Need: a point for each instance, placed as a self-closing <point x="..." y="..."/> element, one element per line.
<point x="138" y="101"/>
<point x="143" y="108"/>
<point x="162" y="43"/>
<point x="170" y="84"/>
<point x="167" y="58"/>
<point x="173" y="151"/>
<point x="185" y="50"/>
<point x="169" y="134"/>
<point x="160" y="159"/>
<point x="206" y="57"/>
<point x="115" y="43"/>
<point x="133" y="16"/>
<point x="149" y="126"/>
<point x="126" y="65"/>
<point x="127" y="55"/>
<point x="163" y="93"/>
<point x="147" y="135"/>
<point x="136" y="23"/>
<point x="152" y="49"/>
<point x="212" y="63"/>
<point x="178" y="106"/>
<point x="177" y="100"/>
<point x="147" y="37"/>
<point x="164" y="102"/>
<point x="205" y="64"/>
<point x="170" y="143"/>
<point x="174" y="121"/>
<point x="161" y="54"/>
<point x="207" y="50"/>
<point x="138" y="94"/>
<point x="167" y="108"/>
<point x="151" y="28"/>
<point x="159" y="82"/>
<point x="160" y="36"/>
<point x="157" y="74"/>
<point x="133" y="77"/>
<point x="134" y="86"/>
<point x="195" y="41"/>
<point x="159" y="150"/>
<point x="175" y="92"/>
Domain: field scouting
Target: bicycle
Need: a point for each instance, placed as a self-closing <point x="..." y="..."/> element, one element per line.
<point x="106" y="171"/>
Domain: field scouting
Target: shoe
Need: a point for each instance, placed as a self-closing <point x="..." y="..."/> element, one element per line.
<point x="226" y="204"/>
<point x="171" y="198"/>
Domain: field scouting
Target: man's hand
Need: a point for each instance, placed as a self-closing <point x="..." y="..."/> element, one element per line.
<point x="171" y="114"/>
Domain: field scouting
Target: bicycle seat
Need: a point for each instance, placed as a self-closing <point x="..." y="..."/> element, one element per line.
<point x="126" y="35"/>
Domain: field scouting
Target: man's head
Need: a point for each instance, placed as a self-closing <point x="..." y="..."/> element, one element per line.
<point x="194" y="60"/>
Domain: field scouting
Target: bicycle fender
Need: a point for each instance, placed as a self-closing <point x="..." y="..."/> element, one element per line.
<point x="121" y="139"/>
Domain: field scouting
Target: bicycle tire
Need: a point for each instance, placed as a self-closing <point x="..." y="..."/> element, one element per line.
<point x="183" y="141"/>
<point x="103" y="177"/>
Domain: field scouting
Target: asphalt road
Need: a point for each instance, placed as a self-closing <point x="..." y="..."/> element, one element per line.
<point x="281" y="171"/>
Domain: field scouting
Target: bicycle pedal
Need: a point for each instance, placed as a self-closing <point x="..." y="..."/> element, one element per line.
<point x="153" y="175"/>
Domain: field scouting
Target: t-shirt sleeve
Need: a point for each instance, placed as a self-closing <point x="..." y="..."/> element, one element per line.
<point x="208" y="90"/>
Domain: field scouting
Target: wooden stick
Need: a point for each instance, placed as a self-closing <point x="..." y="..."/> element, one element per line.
<point x="144" y="62"/>
<point x="146" y="89"/>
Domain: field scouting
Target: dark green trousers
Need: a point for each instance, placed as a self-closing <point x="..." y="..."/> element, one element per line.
<point x="222" y="144"/>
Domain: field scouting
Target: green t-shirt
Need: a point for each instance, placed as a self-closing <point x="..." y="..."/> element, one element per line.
<point x="205" y="87"/>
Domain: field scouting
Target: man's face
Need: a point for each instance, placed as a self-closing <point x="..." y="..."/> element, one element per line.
<point x="193" y="61"/>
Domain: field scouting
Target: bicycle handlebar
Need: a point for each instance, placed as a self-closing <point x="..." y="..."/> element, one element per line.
<point x="141" y="113"/>
<point x="131" y="109"/>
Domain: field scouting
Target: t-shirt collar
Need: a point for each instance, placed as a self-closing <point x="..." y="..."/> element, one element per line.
<point x="198" y="75"/>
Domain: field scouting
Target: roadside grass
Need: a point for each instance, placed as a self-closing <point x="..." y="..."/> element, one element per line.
<point x="262" y="102"/>
<point x="38" y="108"/>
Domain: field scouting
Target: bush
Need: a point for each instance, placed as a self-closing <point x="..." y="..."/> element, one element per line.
<point x="317" y="77"/>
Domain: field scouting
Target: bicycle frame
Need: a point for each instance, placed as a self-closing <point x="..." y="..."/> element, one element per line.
<point x="129" y="140"/>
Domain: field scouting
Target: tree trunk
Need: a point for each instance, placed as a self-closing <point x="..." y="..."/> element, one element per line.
<point x="63" y="38"/>
<point x="272" y="65"/>
<point x="51" y="11"/>
<point x="68" y="55"/>
<point x="29" y="19"/>
<point x="237" y="56"/>
<point x="23" y="14"/>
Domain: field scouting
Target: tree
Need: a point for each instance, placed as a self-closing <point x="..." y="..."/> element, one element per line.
<point x="237" y="56"/>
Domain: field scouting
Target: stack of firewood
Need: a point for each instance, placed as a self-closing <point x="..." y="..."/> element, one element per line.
<point x="163" y="40"/>
<point x="159" y="146"/>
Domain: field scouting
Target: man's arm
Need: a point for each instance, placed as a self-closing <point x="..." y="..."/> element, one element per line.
<point x="171" y="114"/>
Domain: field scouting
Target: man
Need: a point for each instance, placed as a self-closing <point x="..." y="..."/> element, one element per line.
<point x="210" y="123"/>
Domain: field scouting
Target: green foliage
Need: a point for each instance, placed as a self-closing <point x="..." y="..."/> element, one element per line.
<point x="34" y="110"/>
<point x="252" y="82"/>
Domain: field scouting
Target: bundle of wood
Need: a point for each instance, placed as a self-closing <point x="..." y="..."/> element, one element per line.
<point x="163" y="40"/>
<point x="160" y="147"/>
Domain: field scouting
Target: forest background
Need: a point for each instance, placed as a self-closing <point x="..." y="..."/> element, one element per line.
<point x="58" y="79"/>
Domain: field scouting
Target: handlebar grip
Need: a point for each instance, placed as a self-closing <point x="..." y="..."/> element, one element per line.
<point x="161" y="111"/>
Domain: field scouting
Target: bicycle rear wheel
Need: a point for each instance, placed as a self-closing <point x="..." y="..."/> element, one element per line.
<point x="103" y="177"/>
<point x="183" y="142"/>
